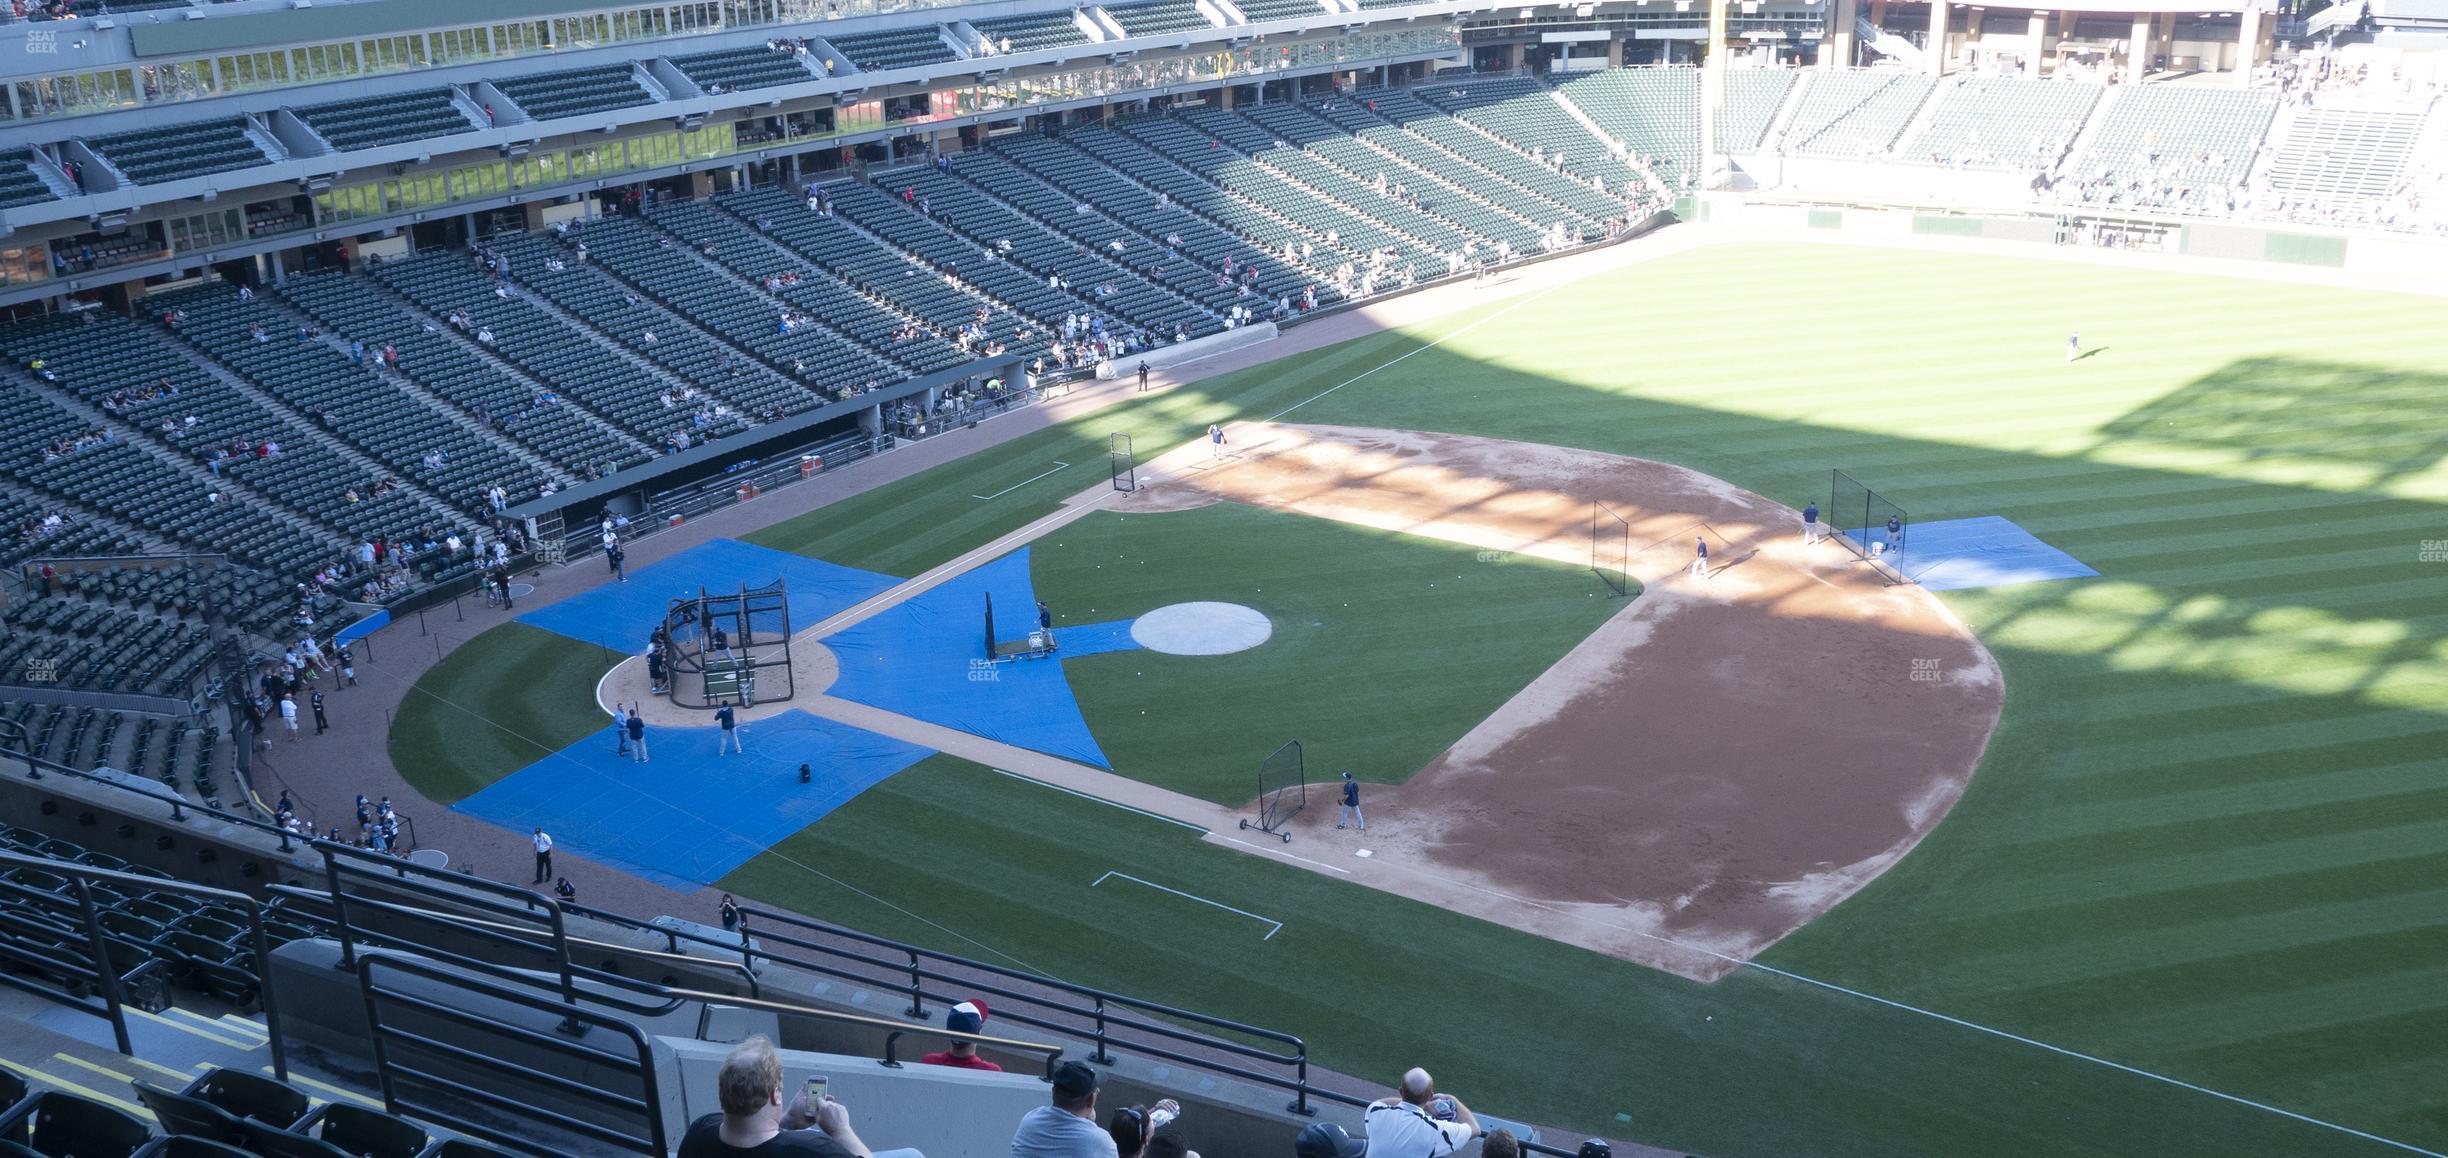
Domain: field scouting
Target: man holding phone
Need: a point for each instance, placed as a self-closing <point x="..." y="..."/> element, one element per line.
<point x="753" y="1121"/>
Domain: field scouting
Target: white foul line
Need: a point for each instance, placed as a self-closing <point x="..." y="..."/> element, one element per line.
<point x="1058" y="465"/>
<point x="1173" y="820"/>
<point x="1285" y="855"/>
<point x="1270" y="935"/>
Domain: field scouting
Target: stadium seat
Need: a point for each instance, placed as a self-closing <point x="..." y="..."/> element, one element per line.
<point x="184" y="1146"/>
<point x="458" y="1148"/>
<point x="62" y="1125"/>
<point x="363" y="1132"/>
<point x="195" y="1117"/>
<point x="249" y="1095"/>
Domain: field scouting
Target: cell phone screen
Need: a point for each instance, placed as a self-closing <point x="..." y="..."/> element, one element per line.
<point x="816" y="1092"/>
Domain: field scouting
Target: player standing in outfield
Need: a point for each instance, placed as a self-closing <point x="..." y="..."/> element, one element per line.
<point x="1351" y="805"/>
<point x="1810" y="524"/>
<point x="1215" y="441"/>
<point x="2074" y="345"/>
<point x="1699" y="567"/>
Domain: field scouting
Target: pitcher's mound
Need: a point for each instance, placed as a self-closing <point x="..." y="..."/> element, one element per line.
<point x="1201" y="629"/>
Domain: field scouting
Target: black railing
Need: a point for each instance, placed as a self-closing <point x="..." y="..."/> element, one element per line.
<point x="387" y="1039"/>
<point x="92" y="960"/>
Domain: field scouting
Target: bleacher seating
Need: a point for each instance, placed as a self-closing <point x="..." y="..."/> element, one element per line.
<point x="1752" y="98"/>
<point x="747" y="358"/>
<point x="486" y="395"/>
<point x="2346" y="158"/>
<point x="387" y="120"/>
<point x="193" y="149"/>
<point x="2170" y="146"/>
<point x="1360" y="170"/>
<point x="1997" y="122"/>
<point x="1158" y="17"/>
<point x="1432" y="139"/>
<point x="1655" y="112"/>
<point x="1340" y="234"/>
<point x="1855" y="113"/>
<point x="574" y="92"/>
<point x="743" y="68"/>
<point x="1520" y="110"/>
<point x="896" y="48"/>
<point x="577" y="366"/>
<point x="888" y="279"/>
<point x="756" y="258"/>
<point x="19" y="185"/>
<point x="1032" y="33"/>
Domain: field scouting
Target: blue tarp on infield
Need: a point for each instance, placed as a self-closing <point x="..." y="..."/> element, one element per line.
<point x="688" y="816"/>
<point x="621" y="615"/>
<point x="915" y="659"/>
<point x="1990" y="551"/>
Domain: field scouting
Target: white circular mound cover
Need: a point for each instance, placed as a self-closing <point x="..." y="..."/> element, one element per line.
<point x="1201" y="629"/>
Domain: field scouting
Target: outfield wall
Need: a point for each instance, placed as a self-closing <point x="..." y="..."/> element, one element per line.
<point x="2397" y="261"/>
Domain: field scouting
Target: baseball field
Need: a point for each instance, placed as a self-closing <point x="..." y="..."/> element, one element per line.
<point x="2191" y="900"/>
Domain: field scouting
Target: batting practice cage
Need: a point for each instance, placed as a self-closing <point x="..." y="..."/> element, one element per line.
<point x="729" y="647"/>
<point x="1611" y="548"/>
<point x="1283" y="790"/>
<point x="1867" y="524"/>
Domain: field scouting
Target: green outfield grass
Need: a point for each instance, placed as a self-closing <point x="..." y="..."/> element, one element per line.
<point x="2210" y="839"/>
<point x="494" y="705"/>
<point x="1386" y="648"/>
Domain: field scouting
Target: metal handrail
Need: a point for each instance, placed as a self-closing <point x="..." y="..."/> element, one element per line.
<point x="86" y="876"/>
<point x="388" y="1070"/>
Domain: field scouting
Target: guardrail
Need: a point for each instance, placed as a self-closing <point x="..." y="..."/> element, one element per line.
<point x="96" y="968"/>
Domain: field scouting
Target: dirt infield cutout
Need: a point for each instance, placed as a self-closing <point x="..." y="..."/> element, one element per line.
<point x="1716" y="765"/>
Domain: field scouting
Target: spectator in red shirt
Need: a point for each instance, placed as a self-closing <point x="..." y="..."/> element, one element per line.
<point x="967" y="1017"/>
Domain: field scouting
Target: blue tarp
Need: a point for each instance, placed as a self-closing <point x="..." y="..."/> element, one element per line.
<point x="1985" y="552"/>
<point x="689" y="816"/>
<point x="916" y="660"/>
<point x="621" y="615"/>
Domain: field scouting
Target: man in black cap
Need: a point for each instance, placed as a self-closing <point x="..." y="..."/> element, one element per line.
<point x="1327" y="1140"/>
<point x="1067" y="1128"/>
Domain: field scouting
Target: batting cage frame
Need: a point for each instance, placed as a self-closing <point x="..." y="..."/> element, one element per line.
<point x="1611" y="548"/>
<point x="1122" y="461"/>
<point x="1283" y="790"/>
<point x="754" y="666"/>
<point x="1860" y="519"/>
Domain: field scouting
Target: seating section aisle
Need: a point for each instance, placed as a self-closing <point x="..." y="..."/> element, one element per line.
<point x="195" y="149"/>
<point x="1752" y="98"/>
<point x="575" y="92"/>
<point x="2170" y="147"/>
<point x="1999" y="122"/>
<point x="1856" y="113"/>
<point x="387" y="120"/>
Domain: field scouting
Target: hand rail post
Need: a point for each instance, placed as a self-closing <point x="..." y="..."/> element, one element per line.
<point x="1101" y="1056"/>
<point x="104" y="973"/>
<point x="917" y="979"/>
<point x="340" y="916"/>
<point x="267" y="990"/>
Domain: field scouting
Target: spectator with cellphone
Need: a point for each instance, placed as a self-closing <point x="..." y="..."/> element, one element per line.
<point x="1419" y="1120"/>
<point x="753" y="1121"/>
<point x="1148" y="1131"/>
